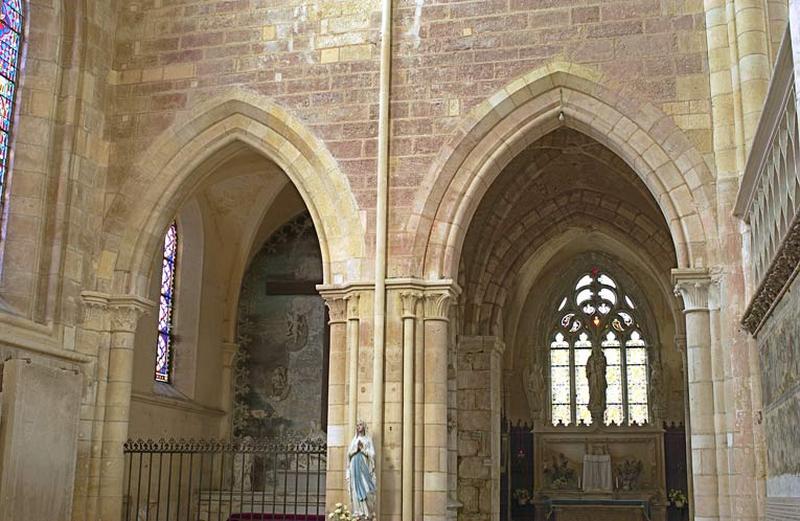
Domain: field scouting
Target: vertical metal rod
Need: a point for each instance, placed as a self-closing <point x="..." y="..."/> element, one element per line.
<point x="130" y="476"/>
<point x="308" y="469"/>
<point x="241" y="483"/>
<point x="139" y="484"/>
<point x="169" y="484"/>
<point x="286" y="480"/>
<point x="149" y="486"/>
<point x="158" y="490"/>
<point x="263" y="484"/>
<point x="200" y="484"/>
<point x="319" y="477"/>
<point x="189" y="490"/>
<point x="274" y="479"/>
<point x="233" y="470"/>
<point x="252" y="481"/>
<point x="296" y="480"/>
<point x="180" y="479"/>
<point x="221" y="481"/>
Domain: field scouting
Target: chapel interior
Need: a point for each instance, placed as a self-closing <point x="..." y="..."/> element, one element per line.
<point x="544" y="252"/>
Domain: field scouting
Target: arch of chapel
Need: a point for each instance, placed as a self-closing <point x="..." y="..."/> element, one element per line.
<point x="530" y="107"/>
<point x="172" y="167"/>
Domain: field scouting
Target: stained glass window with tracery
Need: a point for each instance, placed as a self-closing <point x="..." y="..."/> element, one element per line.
<point x="598" y="314"/>
<point x="10" y="46"/>
<point x="166" y="306"/>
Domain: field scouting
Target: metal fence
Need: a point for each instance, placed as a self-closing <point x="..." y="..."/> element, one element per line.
<point x="213" y="480"/>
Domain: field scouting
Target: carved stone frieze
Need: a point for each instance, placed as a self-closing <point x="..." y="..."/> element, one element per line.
<point x="784" y="267"/>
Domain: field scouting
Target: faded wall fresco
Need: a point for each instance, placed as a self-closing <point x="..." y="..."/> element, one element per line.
<point x="779" y="347"/>
<point x="279" y="375"/>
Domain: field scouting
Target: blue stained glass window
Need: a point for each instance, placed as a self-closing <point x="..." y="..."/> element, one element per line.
<point x="166" y="305"/>
<point x="10" y="41"/>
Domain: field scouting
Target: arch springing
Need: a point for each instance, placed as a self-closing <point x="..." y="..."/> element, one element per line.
<point x="598" y="313"/>
<point x="11" y="24"/>
<point x="166" y="306"/>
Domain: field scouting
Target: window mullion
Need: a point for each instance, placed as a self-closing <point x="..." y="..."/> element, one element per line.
<point x="573" y="398"/>
<point x="623" y="363"/>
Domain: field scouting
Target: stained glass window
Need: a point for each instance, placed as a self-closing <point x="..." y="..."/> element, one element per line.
<point x="10" y="45"/>
<point x="598" y="315"/>
<point x="166" y="306"/>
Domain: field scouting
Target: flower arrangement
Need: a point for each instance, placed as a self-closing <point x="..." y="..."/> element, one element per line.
<point x="340" y="513"/>
<point x="559" y="472"/>
<point x="677" y="497"/>
<point x="628" y="473"/>
<point x="522" y="496"/>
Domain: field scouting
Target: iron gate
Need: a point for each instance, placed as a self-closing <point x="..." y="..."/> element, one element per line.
<point x="214" y="480"/>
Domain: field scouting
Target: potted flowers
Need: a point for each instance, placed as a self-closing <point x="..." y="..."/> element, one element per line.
<point x="522" y="496"/>
<point x="340" y="513"/>
<point x="677" y="497"/>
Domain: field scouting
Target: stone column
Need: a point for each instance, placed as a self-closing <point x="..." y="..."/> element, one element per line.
<point x="229" y="351"/>
<point x="495" y="348"/>
<point x="124" y="314"/>
<point x="337" y="372"/>
<point x="437" y="304"/>
<point x="693" y="286"/>
<point x="409" y="300"/>
<point x="353" y="339"/>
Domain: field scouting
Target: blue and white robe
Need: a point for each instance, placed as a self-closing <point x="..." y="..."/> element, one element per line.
<point x="361" y="477"/>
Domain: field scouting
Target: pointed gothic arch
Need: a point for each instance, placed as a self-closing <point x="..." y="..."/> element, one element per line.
<point x="169" y="169"/>
<point x="532" y="106"/>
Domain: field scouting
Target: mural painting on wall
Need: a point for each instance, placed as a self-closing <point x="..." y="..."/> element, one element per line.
<point x="779" y="347"/>
<point x="281" y="333"/>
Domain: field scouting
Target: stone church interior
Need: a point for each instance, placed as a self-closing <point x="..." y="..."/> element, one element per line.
<point x="418" y="260"/>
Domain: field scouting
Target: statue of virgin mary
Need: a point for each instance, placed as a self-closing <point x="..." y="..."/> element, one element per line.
<point x="360" y="474"/>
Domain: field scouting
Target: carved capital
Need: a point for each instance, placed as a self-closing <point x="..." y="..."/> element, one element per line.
<point x="409" y="300"/>
<point x="95" y="310"/>
<point x="123" y="311"/>
<point x="693" y="286"/>
<point x="337" y="308"/>
<point x="353" y="306"/>
<point x="437" y="305"/>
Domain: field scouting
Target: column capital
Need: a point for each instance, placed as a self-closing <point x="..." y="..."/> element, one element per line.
<point x="337" y="308"/>
<point x="123" y="311"/>
<point x="692" y="284"/>
<point x="437" y="297"/>
<point x="409" y="300"/>
<point x="353" y="305"/>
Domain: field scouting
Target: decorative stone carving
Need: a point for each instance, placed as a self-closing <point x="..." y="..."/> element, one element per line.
<point x="778" y="276"/>
<point x="337" y="308"/>
<point x="437" y="305"/>
<point x="409" y="300"/>
<point x="126" y="312"/>
<point x="353" y="306"/>
<point x="693" y="286"/>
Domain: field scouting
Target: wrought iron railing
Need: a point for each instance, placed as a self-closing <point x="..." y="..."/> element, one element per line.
<point x="769" y="196"/>
<point x="213" y="480"/>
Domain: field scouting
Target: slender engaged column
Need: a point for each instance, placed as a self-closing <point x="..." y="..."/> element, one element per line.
<point x="229" y="351"/>
<point x="124" y="313"/>
<point x="409" y="301"/>
<point x="437" y="304"/>
<point x="353" y="325"/>
<point x="337" y="307"/>
<point x="693" y="286"/>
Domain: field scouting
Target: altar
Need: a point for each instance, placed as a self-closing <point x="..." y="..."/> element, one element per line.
<point x="596" y="509"/>
<point x="599" y="473"/>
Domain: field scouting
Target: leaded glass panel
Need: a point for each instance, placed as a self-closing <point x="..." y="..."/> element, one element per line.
<point x="598" y="313"/>
<point x="166" y="305"/>
<point x="11" y="24"/>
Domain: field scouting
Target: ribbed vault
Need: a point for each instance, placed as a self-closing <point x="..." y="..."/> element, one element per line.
<point x="564" y="181"/>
